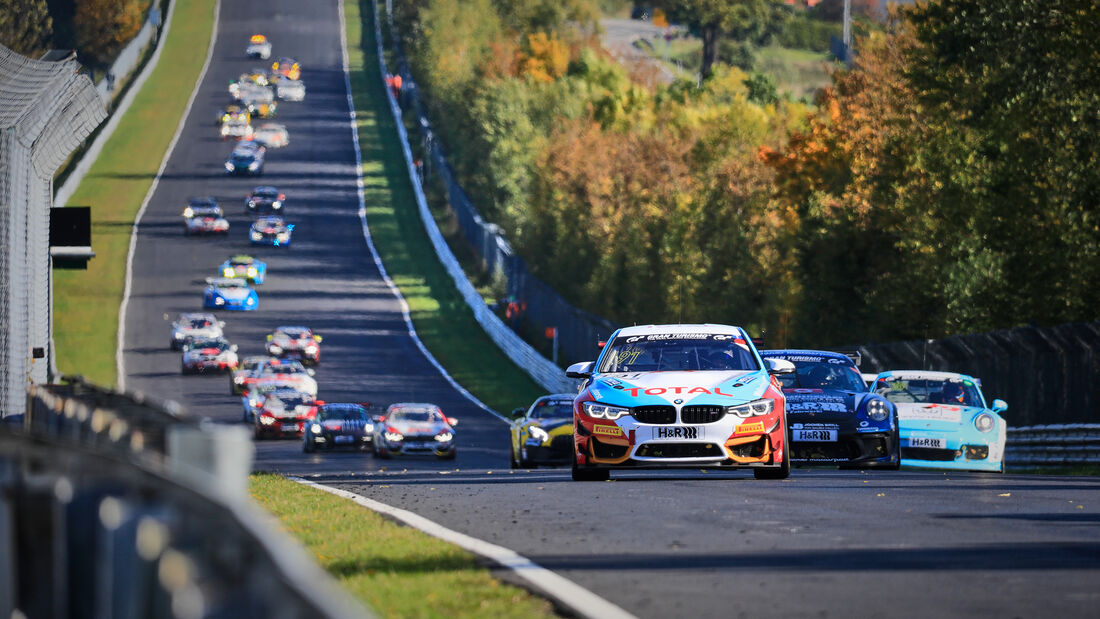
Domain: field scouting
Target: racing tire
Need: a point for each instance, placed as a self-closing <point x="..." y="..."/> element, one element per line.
<point x="512" y="462"/>
<point x="450" y="456"/>
<point x="784" y="470"/>
<point x="308" y="447"/>
<point x="380" y="454"/>
<point x="587" y="474"/>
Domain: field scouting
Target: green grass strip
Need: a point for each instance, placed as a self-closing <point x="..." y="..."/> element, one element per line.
<point x="396" y="570"/>
<point x="442" y="319"/>
<point x="86" y="303"/>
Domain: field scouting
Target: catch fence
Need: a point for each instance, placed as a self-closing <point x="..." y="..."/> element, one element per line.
<point x="47" y="108"/>
<point x="536" y="305"/>
<point x="1048" y="375"/>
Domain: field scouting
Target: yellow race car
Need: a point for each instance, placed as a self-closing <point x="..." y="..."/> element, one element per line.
<point x="288" y="68"/>
<point x="543" y="433"/>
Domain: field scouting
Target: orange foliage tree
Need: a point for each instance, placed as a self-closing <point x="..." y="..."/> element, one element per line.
<point x="103" y="27"/>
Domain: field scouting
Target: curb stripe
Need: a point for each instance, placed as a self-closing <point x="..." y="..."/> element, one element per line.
<point x="561" y="590"/>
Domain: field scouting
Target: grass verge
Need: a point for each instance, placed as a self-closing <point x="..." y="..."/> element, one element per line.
<point x="442" y="319"/>
<point x="396" y="570"/>
<point x="86" y="303"/>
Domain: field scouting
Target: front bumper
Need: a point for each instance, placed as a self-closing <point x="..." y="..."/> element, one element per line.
<point x="208" y="365"/>
<point x="863" y="449"/>
<point x="280" y="427"/>
<point x="430" y="447"/>
<point x="759" y="442"/>
<point x="333" y="440"/>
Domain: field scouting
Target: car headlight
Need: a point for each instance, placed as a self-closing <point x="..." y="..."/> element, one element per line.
<point x="311" y="350"/>
<point x="275" y="349"/>
<point x="284" y="237"/>
<point x="315" y="428"/>
<point x="538" y="434"/>
<point x="876" y="410"/>
<point x="256" y="236"/>
<point x="253" y="165"/>
<point x="752" y="409"/>
<point x="229" y="166"/>
<point x="394" y="436"/>
<point x="267" y="420"/>
<point x="604" y="411"/>
<point x="444" y="437"/>
<point x="177" y="335"/>
<point x="228" y="272"/>
<point x="252" y="272"/>
<point x="219" y="301"/>
<point x="188" y="212"/>
<point x="276" y="204"/>
<point x="984" y="422"/>
<point x="249" y="301"/>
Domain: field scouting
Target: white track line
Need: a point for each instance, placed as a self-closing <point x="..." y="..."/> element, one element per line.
<point x="120" y="364"/>
<point x="562" y="590"/>
<point x="370" y="241"/>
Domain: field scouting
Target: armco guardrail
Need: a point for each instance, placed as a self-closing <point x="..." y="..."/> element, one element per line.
<point x="550" y="376"/>
<point x="1062" y="444"/>
<point x="115" y="506"/>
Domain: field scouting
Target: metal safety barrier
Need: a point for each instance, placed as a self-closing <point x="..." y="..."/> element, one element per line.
<point x="1053" y="445"/>
<point x="114" y="505"/>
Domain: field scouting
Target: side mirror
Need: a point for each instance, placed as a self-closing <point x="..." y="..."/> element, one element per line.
<point x="221" y="323"/>
<point x="518" y="413"/>
<point x="310" y="371"/>
<point x="270" y="337"/>
<point x="582" y="370"/>
<point x="451" y="421"/>
<point x="317" y="338"/>
<point x="233" y="348"/>
<point x="999" y="406"/>
<point x="779" y="366"/>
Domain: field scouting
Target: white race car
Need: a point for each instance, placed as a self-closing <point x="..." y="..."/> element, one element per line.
<point x="272" y="135"/>
<point x="194" y="325"/>
<point x="290" y="90"/>
<point x="258" y="47"/>
<point x="691" y="395"/>
<point x="204" y="216"/>
<point x="208" y="355"/>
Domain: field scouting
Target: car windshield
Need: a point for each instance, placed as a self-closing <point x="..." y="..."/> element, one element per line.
<point x="284" y="369"/>
<point x="353" y="413"/>
<point x="206" y="344"/>
<point x="552" y="409"/>
<point x="957" y="391"/>
<point x="292" y="401"/>
<point x="416" y="416"/>
<point x="199" y="323"/>
<point x="677" y="351"/>
<point x="823" y="373"/>
<point x="293" y="333"/>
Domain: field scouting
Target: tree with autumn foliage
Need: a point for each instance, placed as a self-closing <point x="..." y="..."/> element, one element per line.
<point x="103" y="27"/>
<point x="25" y="26"/>
<point x="713" y="19"/>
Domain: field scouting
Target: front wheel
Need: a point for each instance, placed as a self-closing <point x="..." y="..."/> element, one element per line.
<point x="307" y="447"/>
<point x="784" y="470"/>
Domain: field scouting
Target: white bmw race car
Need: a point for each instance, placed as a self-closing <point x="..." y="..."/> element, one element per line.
<point x="693" y="396"/>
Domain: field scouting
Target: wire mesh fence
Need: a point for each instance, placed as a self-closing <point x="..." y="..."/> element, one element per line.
<point x="46" y="109"/>
<point x="1048" y="375"/>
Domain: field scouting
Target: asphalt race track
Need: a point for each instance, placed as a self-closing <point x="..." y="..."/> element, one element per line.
<point x="659" y="544"/>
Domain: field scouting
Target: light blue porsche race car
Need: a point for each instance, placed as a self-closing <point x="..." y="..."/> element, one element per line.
<point x="944" y="420"/>
<point x="229" y="294"/>
<point x="244" y="267"/>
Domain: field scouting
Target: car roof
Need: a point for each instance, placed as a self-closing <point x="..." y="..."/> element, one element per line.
<point x="926" y="374"/>
<point x="198" y="316"/>
<point x="414" y="406"/>
<point x="291" y="328"/>
<point x="556" y="396"/>
<point x="274" y="219"/>
<point x="804" y="352"/>
<point x="679" y="328"/>
<point x="265" y="189"/>
<point x="242" y="258"/>
<point x="287" y="392"/>
<point x="227" y="282"/>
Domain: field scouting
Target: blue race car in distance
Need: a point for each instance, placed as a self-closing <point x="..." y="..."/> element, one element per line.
<point x="244" y="267"/>
<point x="229" y="294"/>
<point x="246" y="158"/>
<point x="270" y="230"/>
<point x="945" y="421"/>
<point x="834" y="420"/>
<point x="338" y="425"/>
<point x="265" y="200"/>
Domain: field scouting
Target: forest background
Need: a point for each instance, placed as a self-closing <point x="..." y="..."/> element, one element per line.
<point x="944" y="182"/>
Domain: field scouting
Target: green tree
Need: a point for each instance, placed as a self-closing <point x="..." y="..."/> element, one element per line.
<point x="25" y="26"/>
<point x="712" y="19"/>
<point x="103" y="27"/>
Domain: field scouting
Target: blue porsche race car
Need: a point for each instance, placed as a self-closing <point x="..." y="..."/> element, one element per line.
<point x="270" y="230"/>
<point x="229" y="294"/>
<point x="834" y="420"/>
<point x="244" y="267"/>
<point x="945" y="421"/>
